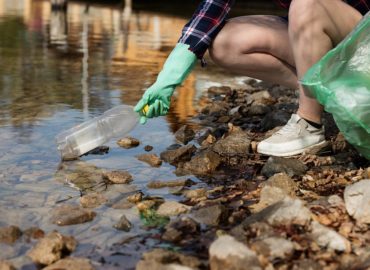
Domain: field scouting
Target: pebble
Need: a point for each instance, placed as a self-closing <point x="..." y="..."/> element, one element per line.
<point x="92" y="200"/>
<point x="289" y="166"/>
<point x="71" y="263"/>
<point x="151" y="159"/>
<point x="123" y="224"/>
<point x="128" y="142"/>
<point x="71" y="214"/>
<point x="172" y="208"/>
<point x="118" y="177"/>
<point x="185" y="134"/>
<point x="357" y="201"/>
<point x="9" y="235"/>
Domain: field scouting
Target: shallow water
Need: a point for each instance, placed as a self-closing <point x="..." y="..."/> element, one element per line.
<point x="59" y="68"/>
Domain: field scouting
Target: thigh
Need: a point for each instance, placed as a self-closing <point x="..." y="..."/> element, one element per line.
<point x="257" y="33"/>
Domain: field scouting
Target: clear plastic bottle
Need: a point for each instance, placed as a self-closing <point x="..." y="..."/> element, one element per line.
<point x="82" y="138"/>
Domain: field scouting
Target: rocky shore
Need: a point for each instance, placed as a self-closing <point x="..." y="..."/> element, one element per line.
<point x="247" y="211"/>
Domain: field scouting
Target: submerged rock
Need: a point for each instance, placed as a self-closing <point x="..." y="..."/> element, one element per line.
<point x="357" y="201"/>
<point x="185" y="134"/>
<point x="228" y="253"/>
<point x="70" y="263"/>
<point x="9" y="235"/>
<point x="123" y="224"/>
<point x="71" y="214"/>
<point x="289" y="166"/>
<point x="172" y="208"/>
<point x="92" y="200"/>
<point x="177" y="229"/>
<point x="177" y="155"/>
<point x="152" y="159"/>
<point x="118" y="177"/>
<point x="171" y="183"/>
<point x="51" y="248"/>
<point x="128" y="142"/>
<point x="148" y="148"/>
<point x="5" y="265"/>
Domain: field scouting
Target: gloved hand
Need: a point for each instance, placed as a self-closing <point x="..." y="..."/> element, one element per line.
<point x="158" y="96"/>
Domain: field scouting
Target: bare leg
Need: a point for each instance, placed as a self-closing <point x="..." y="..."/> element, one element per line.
<point x="315" y="27"/>
<point x="256" y="46"/>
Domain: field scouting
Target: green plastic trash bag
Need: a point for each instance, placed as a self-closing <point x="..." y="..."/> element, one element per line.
<point x="340" y="81"/>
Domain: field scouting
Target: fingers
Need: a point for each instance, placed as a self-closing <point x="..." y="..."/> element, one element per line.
<point x="141" y="104"/>
<point x="143" y="120"/>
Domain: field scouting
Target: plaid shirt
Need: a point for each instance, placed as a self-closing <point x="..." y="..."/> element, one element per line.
<point x="210" y="17"/>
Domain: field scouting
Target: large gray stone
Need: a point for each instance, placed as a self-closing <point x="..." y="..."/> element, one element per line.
<point x="228" y="253"/>
<point x="357" y="201"/>
<point x="290" y="166"/>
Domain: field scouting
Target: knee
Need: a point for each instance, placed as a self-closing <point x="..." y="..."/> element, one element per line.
<point x="303" y="16"/>
<point x="227" y="44"/>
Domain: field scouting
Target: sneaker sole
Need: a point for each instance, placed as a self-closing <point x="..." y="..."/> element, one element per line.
<point x="308" y="150"/>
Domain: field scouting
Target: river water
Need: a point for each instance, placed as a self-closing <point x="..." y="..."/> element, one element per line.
<point x="59" y="68"/>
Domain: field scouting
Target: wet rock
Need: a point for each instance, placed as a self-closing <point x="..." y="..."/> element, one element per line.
<point x="204" y="163"/>
<point x="135" y="198"/>
<point x="176" y="230"/>
<point x="258" y="110"/>
<point x="202" y="134"/>
<point x="51" y="248"/>
<point x="71" y="214"/>
<point x="118" y="177"/>
<point x="219" y="90"/>
<point x="260" y="98"/>
<point x="92" y="200"/>
<point x="228" y="253"/>
<point x="171" y="183"/>
<point x="128" y="142"/>
<point x="5" y="265"/>
<point x="276" y="188"/>
<point x="357" y="201"/>
<point x="152" y="159"/>
<point x="274" y="119"/>
<point x="172" y="208"/>
<point x="289" y="166"/>
<point x="283" y="213"/>
<point x="9" y="235"/>
<point x="160" y="259"/>
<point x="216" y="108"/>
<point x="71" y="263"/>
<point x="209" y="141"/>
<point x="175" y="156"/>
<point x="33" y="233"/>
<point x="123" y="224"/>
<point x="328" y="238"/>
<point x="274" y="248"/>
<point x="307" y="264"/>
<point x="235" y="144"/>
<point x="195" y="193"/>
<point x="185" y="134"/>
<point x="145" y="205"/>
<point x="210" y="215"/>
<point x="148" y="148"/>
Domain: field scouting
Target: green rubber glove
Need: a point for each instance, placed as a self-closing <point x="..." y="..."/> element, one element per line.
<point x="158" y="96"/>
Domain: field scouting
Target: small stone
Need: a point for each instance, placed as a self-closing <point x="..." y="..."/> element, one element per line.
<point x="210" y="215"/>
<point x="123" y="224"/>
<point x="92" y="200"/>
<point x="172" y="208"/>
<point x="71" y="214"/>
<point x="357" y="201"/>
<point x="176" y="230"/>
<point x="274" y="248"/>
<point x="289" y="166"/>
<point x="118" y="177"/>
<point x="128" y="142"/>
<point x="145" y="205"/>
<point x="228" y="253"/>
<point x="135" y="198"/>
<point x="219" y="90"/>
<point x="148" y="148"/>
<point x="195" y="193"/>
<point x="171" y="183"/>
<point x="181" y="154"/>
<point x="4" y="265"/>
<point x="236" y="143"/>
<point x="209" y="140"/>
<point x="51" y="248"/>
<point x="71" y="263"/>
<point x="204" y="163"/>
<point x="33" y="233"/>
<point x="328" y="238"/>
<point x="152" y="159"/>
<point x="9" y="235"/>
<point x="185" y="134"/>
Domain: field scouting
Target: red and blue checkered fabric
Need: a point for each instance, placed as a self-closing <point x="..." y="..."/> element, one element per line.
<point x="210" y="16"/>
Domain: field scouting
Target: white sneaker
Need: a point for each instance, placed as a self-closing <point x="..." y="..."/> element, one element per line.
<point x="296" y="137"/>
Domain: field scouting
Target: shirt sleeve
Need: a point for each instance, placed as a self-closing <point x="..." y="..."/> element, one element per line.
<point x="206" y="22"/>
